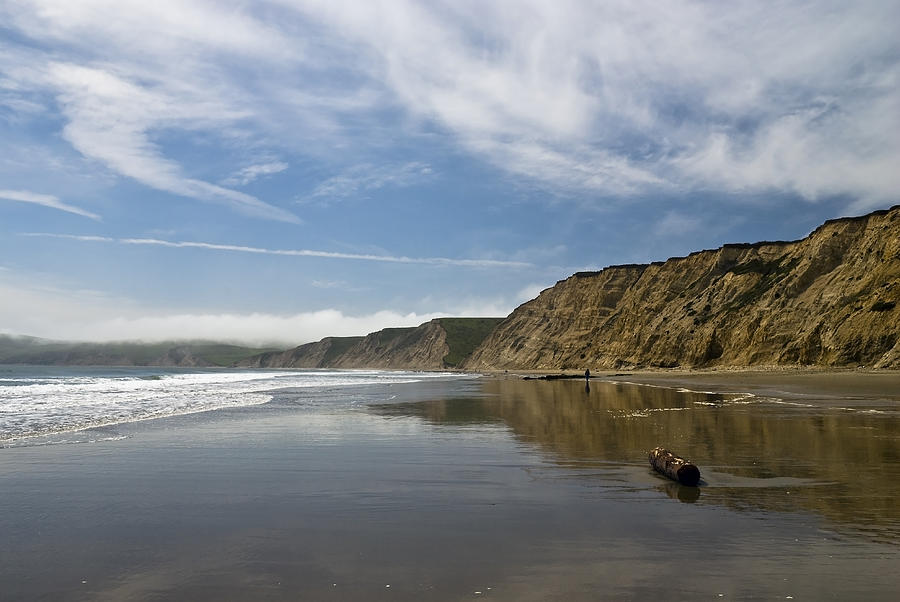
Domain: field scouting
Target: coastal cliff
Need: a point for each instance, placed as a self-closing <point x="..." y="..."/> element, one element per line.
<point x="311" y="355"/>
<point x="439" y="344"/>
<point x="419" y="348"/>
<point x="830" y="299"/>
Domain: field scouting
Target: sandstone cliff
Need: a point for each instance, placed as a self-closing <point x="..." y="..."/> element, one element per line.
<point x="311" y="355"/>
<point x="830" y="299"/>
<point x="419" y="348"/>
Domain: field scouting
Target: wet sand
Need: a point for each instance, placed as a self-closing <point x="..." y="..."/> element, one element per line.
<point x="491" y="489"/>
<point x="871" y="386"/>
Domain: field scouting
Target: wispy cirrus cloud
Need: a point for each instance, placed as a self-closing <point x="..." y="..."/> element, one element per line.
<point x="46" y="200"/>
<point x="252" y="172"/>
<point x="616" y="98"/>
<point x="358" y="180"/>
<point x="435" y="261"/>
<point x="110" y="119"/>
<point x="117" y="105"/>
<point x="674" y="224"/>
<point x="340" y="285"/>
<point x="623" y="98"/>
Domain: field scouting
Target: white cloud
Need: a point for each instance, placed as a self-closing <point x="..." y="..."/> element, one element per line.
<point x="362" y="178"/>
<point x="469" y="306"/>
<point x="328" y="283"/>
<point x="91" y="316"/>
<point x="253" y="328"/>
<point x="31" y="305"/>
<point x="252" y="172"/>
<point x="475" y="307"/>
<point x="136" y="26"/>
<point x="815" y="152"/>
<point x="675" y="224"/>
<point x="613" y="99"/>
<point x="340" y="285"/>
<point x="47" y="200"/>
<point x="530" y="292"/>
<point x="110" y="119"/>
<point x="18" y="107"/>
<point x="628" y="97"/>
<point x="35" y="305"/>
<point x="436" y="261"/>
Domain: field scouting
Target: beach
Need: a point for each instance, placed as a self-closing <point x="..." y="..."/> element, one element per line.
<point x="867" y="386"/>
<point x="473" y="488"/>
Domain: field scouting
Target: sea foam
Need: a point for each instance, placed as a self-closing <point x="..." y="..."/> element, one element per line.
<point x="42" y="401"/>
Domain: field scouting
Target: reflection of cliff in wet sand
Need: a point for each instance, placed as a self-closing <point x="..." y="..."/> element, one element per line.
<point x="835" y="456"/>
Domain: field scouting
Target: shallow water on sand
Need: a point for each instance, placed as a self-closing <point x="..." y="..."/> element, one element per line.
<point x="464" y="489"/>
<point x="45" y="404"/>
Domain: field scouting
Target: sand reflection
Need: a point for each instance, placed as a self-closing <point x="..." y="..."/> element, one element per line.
<point x="755" y="453"/>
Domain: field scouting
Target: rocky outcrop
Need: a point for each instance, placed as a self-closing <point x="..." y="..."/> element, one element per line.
<point x="830" y="299"/>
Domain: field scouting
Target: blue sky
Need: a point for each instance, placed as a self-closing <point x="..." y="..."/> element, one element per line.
<point x="284" y="170"/>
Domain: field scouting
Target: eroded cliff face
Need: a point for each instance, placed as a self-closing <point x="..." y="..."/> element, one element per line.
<point x="308" y="356"/>
<point x="830" y="299"/>
<point x="420" y="348"/>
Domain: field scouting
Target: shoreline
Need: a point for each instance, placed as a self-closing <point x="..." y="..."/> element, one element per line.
<point x="850" y="386"/>
<point x="789" y="383"/>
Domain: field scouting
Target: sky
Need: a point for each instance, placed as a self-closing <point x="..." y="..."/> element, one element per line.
<point x="277" y="171"/>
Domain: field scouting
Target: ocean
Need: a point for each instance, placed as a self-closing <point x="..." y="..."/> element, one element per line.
<point x="56" y="404"/>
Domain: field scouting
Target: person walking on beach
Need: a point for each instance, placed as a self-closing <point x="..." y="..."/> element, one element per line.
<point x="587" y="375"/>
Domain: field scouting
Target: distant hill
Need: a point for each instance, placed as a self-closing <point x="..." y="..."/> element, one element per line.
<point x="321" y="354"/>
<point x="830" y="299"/>
<point x="31" y="350"/>
<point x="442" y="343"/>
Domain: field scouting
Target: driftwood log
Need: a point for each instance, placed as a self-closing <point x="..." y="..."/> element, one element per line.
<point x="674" y="467"/>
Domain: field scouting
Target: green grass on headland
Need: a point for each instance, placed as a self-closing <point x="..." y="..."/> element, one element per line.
<point x="464" y="335"/>
<point x="221" y="354"/>
<point x="339" y="346"/>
